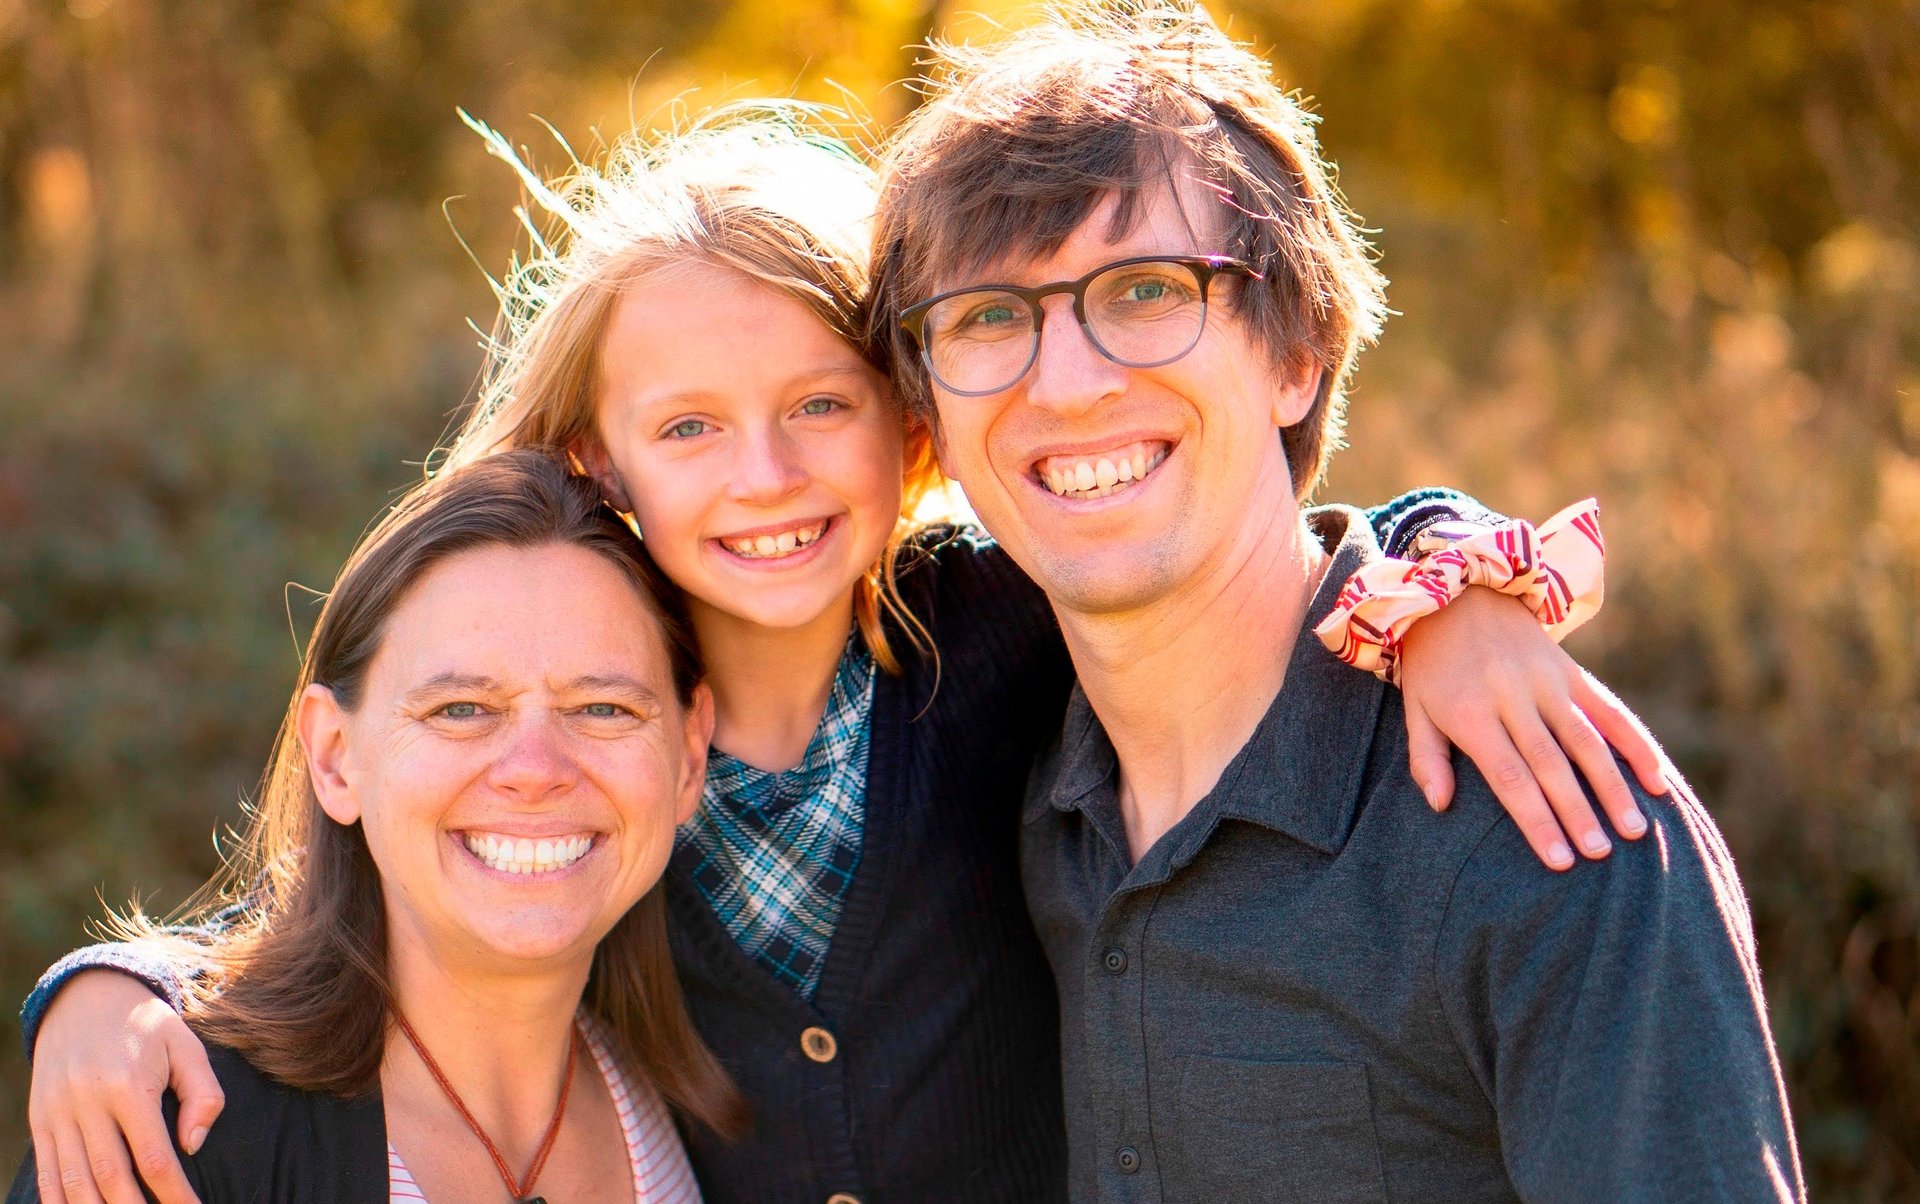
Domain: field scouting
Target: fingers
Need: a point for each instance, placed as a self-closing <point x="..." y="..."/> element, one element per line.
<point x="1622" y="729"/>
<point x="46" y="1165"/>
<point x="1514" y="784"/>
<point x="145" y="1128"/>
<point x="1429" y="757"/>
<point x="1554" y="775"/>
<point x="75" y="1177"/>
<point x="1584" y="744"/>
<point x="107" y="1159"/>
<point x="193" y="1080"/>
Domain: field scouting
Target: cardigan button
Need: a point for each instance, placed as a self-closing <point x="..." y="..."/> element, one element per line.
<point x="818" y="1044"/>
<point x="841" y="1197"/>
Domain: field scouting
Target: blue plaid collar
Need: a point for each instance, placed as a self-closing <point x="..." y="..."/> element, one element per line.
<point x="778" y="850"/>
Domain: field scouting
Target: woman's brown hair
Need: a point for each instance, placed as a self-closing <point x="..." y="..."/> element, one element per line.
<point x="299" y="981"/>
<point x="762" y="189"/>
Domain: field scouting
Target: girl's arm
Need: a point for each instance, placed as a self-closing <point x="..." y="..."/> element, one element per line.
<point x="1481" y="675"/>
<point x="106" y="1039"/>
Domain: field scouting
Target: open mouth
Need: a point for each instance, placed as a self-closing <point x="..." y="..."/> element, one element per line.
<point x="1101" y="474"/>
<point x="521" y="855"/>
<point x="776" y="543"/>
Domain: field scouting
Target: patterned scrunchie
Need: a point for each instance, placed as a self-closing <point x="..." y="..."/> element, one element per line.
<point x="1558" y="569"/>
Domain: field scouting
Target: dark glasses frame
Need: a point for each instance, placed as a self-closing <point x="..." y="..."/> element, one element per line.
<point x="913" y="319"/>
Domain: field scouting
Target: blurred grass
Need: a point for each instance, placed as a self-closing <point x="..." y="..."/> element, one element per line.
<point x="1664" y="253"/>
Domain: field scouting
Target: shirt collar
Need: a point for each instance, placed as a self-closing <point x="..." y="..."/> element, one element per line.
<point x="1300" y="772"/>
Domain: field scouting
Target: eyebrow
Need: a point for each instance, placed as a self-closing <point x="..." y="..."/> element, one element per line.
<point x="698" y="397"/>
<point x="615" y="683"/>
<point x="612" y="683"/>
<point x="442" y="683"/>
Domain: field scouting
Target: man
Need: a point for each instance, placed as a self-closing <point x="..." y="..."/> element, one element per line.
<point x="1279" y="979"/>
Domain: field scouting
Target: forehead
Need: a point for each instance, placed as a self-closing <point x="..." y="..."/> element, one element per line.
<point x="554" y="611"/>
<point x="1173" y="212"/>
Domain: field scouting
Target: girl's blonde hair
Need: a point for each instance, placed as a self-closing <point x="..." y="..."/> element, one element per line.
<point x="762" y="189"/>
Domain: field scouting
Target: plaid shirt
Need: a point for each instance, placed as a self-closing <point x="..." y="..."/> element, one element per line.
<point x="778" y="850"/>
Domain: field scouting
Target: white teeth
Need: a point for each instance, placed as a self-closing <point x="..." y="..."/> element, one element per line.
<point x="760" y="547"/>
<point x="1098" y="477"/>
<point x="526" y="856"/>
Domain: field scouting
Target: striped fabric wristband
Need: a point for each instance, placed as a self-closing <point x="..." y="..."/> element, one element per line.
<point x="1558" y="569"/>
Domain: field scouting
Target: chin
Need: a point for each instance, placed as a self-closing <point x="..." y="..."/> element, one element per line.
<point x="1106" y="582"/>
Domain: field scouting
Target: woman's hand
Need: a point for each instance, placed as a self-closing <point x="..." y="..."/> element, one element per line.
<point x="108" y="1049"/>
<point x="1481" y="675"/>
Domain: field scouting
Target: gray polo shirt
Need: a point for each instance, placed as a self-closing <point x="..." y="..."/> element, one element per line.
<point x="1314" y="989"/>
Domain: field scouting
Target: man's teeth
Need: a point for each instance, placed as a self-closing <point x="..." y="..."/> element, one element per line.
<point x="1098" y="476"/>
<point x="784" y="544"/>
<point x="524" y="856"/>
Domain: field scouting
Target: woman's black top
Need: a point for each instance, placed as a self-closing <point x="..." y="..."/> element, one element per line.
<point x="275" y="1143"/>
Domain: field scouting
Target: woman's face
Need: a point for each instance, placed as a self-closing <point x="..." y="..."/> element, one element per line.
<point x="518" y="759"/>
<point x="760" y="454"/>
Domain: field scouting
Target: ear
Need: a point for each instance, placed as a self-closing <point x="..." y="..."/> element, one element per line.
<point x="591" y="455"/>
<point x="322" y="727"/>
<point x="1299" y="386"/>
<point x="699" y="735"/>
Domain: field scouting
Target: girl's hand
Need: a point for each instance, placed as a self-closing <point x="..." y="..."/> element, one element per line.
<point x="107" y="1050"/>
<point x="1481" y="675"/>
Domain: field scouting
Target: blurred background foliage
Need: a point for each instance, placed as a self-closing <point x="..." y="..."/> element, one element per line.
<point x="1660" y="251"/>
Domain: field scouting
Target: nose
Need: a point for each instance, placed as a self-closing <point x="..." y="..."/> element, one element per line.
<point x="767" y="468"/>
<point x="535" y="764"/>
<point x="1069" y="374"/>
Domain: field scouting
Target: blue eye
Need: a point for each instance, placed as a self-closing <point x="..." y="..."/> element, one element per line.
<point x="600" y="710"/>
<point x="817" y="407"/>
<point x="993" y="315"/>
<point x="1148" y="290"/>
<point x="460" y="710"/>
<point x="686" y="429"/>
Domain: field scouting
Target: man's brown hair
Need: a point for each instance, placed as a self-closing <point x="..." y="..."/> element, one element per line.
<point x="1018" y="143"/>
<point x="299" y="982"/>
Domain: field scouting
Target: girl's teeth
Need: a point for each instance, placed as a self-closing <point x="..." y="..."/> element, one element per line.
<point x="783" y="544"/>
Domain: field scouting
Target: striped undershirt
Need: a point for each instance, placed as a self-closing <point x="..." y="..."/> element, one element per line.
<point x="661" y="1174"/>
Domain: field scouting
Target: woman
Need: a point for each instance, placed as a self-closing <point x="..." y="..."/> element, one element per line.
<point x="845" y="906"/>
<point x="457" y="984"/>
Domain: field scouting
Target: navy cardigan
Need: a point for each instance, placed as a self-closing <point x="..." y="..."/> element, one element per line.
<point x="942" y="1078"/>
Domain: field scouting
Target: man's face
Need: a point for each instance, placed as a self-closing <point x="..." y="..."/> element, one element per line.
<point x="1203" y="428"/>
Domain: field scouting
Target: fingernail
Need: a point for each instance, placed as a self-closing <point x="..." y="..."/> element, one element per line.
<point x="1595" y="844"/>
<point x="195" y="1138"/>
<point x="1560" y="856"/>
<point x="1633" y="823"/>
<point x="1665" y="787"/>
<point x="1433" y="799"/>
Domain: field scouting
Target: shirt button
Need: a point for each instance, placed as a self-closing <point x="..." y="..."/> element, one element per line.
<point x="841" y="1197"/>
<point x="1115" y="960"/>
<point x="1129" y="1159"/>
<point x="818" y="1044"/>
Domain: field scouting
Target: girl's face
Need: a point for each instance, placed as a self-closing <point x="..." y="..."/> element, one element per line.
<point x="760" y="454"/>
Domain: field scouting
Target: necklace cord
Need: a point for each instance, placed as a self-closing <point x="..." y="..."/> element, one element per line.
<point x="518" y="1190"/>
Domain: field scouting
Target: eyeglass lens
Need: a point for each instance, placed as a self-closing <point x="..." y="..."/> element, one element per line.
<point x="1138" y="314"/>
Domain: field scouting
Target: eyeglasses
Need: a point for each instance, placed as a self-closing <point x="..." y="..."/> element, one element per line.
<point x="1140" y="313"/>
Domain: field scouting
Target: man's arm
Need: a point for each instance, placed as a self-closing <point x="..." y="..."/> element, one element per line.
<point x="1614" y="1016"/>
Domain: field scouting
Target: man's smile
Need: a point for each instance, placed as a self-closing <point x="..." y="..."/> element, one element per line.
<point x="1085" y="476"/>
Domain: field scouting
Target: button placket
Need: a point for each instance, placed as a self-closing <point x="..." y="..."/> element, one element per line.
<point x="1117" y="1040"/>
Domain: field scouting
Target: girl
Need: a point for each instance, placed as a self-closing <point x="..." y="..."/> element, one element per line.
<point x="844" y="907"/>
